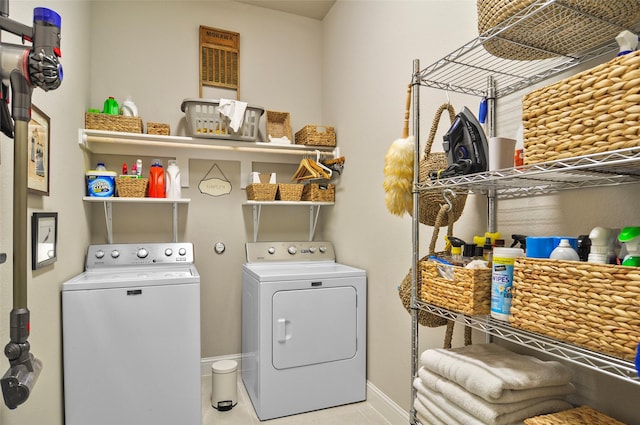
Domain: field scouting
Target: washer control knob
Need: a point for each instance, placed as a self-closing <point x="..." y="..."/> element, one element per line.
<point x="271" y="250"/>
<point x="115" y="253"/>
<point x="99" y="253"/>
<point x="168" y="252"/>
<point x="292" y="250"/>
<point x="142" y="253"/>
<point x="312" y="249"/>
<point x="323" y="249"/>
<point x="182" y="252"/>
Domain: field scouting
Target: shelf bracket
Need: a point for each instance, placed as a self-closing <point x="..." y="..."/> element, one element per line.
<point x="257" y="210"/>
<point x="108" y="216"/>
<point x="314" y="212"/>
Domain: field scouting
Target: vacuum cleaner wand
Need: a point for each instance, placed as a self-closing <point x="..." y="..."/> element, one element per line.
<point x="23" y="68"/>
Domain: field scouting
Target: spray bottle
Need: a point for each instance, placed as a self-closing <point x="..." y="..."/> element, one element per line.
<point x="630" y="236"/>
<point x="456" y="250"/>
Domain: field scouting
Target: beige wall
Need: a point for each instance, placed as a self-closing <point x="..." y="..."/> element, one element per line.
<point x="349" y="71"/>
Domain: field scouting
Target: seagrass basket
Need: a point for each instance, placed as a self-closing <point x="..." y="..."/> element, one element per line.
<point x="595" y="306"/>
<point x="316" y="135"/>
<point x="261" y="192"/>
<point x="131" y="187"/>
<point x="583" y="415"/>
<point x="107" y="122"/>
<point x="595" y="111"/>
<point x="318" y="192"/>
<point x="158" y="128"/>
<point x="279" y="125"/>
<point x="289" y="192"/>
<point x="468" y="291"/>
<point x="560" y="28"/>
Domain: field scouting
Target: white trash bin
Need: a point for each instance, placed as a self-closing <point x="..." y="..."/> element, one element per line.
<point x="224" y="385"/>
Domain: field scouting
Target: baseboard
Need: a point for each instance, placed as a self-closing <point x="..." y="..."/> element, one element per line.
<point x="205" y="363"/>
<point x="388" y="408"/>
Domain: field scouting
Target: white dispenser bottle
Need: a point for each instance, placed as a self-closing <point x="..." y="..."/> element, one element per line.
<point x="174" y="190"/>
<point x="564" y="251"/>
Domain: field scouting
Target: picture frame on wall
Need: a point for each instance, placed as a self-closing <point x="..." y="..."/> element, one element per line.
<point x="44" y="239"/>
<point x="38" y="152"/>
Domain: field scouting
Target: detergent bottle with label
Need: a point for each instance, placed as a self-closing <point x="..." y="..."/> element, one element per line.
<point x="156" y="180"/>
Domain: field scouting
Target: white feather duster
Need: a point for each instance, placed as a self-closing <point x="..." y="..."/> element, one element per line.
<point x="398" y="176"/>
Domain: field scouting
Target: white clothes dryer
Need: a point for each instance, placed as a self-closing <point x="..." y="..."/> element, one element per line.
<point x="131" y="337"/>
<point x="303" y="328"/>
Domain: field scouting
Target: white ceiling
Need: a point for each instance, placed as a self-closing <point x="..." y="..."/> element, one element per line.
<point x="316" y="9"/>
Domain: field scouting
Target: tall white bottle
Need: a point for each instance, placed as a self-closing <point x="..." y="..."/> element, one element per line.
<point x="174" y="190"/>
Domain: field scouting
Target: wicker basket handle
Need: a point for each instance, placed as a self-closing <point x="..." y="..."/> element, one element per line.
<point x="434" y="126"/>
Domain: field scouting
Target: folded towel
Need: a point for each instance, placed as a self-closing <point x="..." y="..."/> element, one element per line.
<point x="234" y="110"/>
<point x="490" y="413"/>
<point x="425" y="416"/>
<point x="491" y="371"/>
<point x="452" y="390"/>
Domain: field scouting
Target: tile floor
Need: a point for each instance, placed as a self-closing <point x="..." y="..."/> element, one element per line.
<point x="243" y="414"/>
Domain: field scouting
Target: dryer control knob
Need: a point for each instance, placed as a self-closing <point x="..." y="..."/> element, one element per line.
<point x="142" y="253"/>
<point x="182" y="252"/>
<point x="168" y="252"/>
<point x="115" y="253"/>
<point x="99" y="253"/>
<point x="312" y="249"/>
<point x="323" y="249"/>
<point x="271" y="250"/>
<point x="292" y="250"/>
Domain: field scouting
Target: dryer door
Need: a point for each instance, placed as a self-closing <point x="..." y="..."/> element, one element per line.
<point x="312" y="326"/>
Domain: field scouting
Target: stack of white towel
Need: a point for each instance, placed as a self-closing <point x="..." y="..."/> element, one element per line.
<point x="486" y="384"/>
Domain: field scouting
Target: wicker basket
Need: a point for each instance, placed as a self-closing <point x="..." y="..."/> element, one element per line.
<point x="318" y="192"/>
<point x="120" y="123"/>
<point x="158" y="128"/>
<point x="584" y="415"/>
<point x="289" y="192"/>
<point x="279" y="125"/>
<point x="595" y="111"/>
<point x="131" y="187"/>
<point x="261" y="192"/>
<point x="204" y="120"/>
<point x="569" y="21"/>
<point x="315" y="135"/>
<point x="596" y="306"/>
<point x="469" y="292"/>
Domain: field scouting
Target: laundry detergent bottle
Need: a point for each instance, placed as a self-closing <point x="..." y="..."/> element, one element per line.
<point x="174" y="190"/>
<point x="156" y="180"/>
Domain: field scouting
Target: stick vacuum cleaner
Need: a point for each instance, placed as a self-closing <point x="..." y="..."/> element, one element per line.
<point x="21" y="69"/>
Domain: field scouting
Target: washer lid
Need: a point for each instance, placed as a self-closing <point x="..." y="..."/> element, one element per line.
<point x="284" y="271"/>
<point x="128" y="277"/>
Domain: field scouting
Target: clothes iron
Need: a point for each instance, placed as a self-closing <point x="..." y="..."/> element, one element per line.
<point x="466" y="147"/>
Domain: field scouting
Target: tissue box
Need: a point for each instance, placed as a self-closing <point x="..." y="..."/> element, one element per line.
<point x="204" y="120"/>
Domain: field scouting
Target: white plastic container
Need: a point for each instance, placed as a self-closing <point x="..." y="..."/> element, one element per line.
<point x="564" y="251"/>
<point x="174" y="191"/>
<point x="224" y="385"/>
<point x="502" y="281"/>
<point x="100" y="183"/>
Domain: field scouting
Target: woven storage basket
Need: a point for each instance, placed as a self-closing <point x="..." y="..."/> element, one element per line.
<point x="584" y="415"/>
<point x="316" y="135"/>
<point x="158" y="128"/>
<point x="131" y="187"/>
<point x="279" y="125"/>
<point x="595" y="111"/>
<point x="107" y="122"/>
<point x="261" y="191"/>
<point x="558" y="29"/>
<point x="469" y="292"/>
<point x="289" y="192"/>
<point x="318" y="192"/>
<point x="596" y="306"/>
<point x="204" y="120"/>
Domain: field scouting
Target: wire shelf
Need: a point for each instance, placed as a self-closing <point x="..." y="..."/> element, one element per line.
<point x="596" y="170"/>
<point x="467" y="69"/>
<point x="602" y="363"/>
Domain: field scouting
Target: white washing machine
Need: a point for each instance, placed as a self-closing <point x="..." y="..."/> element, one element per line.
<point x="303" y="328"/>
<point x="131" y="337"/>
